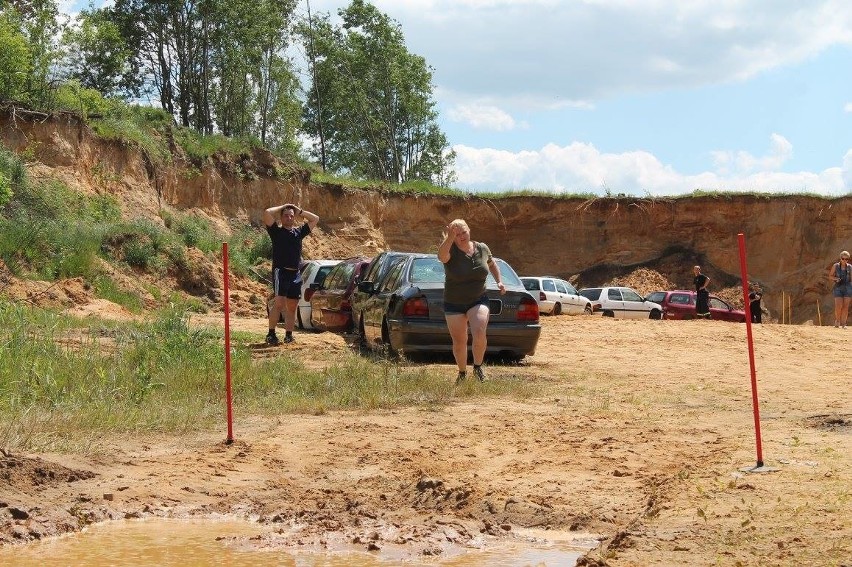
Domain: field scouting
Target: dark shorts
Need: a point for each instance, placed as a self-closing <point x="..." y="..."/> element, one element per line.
<point x="844" y="290"/>
<point x="287" y="283"/>
<point x="461" y="308"/>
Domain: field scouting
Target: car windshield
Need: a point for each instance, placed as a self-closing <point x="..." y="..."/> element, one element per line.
<point x="630" y="295"/>
<point x="656" y="297"/>
<point x="571" y="289"/>
<point x="593" y="293"/>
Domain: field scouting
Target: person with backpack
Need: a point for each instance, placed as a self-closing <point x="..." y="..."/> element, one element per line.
<point x="841" y="274"/>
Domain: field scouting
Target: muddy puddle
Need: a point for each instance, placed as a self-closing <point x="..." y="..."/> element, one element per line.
<point x="167" y="542"/>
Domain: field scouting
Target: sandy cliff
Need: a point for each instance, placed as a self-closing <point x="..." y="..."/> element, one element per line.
<point x="791" y="240"/>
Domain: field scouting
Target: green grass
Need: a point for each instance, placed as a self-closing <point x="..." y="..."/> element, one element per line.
<point x="64" y="383"/>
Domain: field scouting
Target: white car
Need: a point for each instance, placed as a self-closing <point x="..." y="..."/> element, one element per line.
<point x="556" y="296"/>
<point x="313" y="274"/>
<point x="621" y="303"/>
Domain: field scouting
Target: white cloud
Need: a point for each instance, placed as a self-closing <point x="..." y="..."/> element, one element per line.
<point x="582" y="168"/>
<point x="846" y="170"/>
<point x="483" y="117"/>
<point x="593" y="49"/>
<point x="848" y="107"/>
<point x="780" y="151"/>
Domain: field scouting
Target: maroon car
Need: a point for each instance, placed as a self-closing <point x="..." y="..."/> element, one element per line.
<point x="680" y="304"/>
<point x="331" y="307"/>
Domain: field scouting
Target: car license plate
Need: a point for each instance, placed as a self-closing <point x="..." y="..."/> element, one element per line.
<point x="495" y="306"/>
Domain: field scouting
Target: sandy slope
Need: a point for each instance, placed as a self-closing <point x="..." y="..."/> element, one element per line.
<point x="638" y="442"/>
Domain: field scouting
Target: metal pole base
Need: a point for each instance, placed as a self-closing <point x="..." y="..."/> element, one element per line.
<point x="760" y="468"/>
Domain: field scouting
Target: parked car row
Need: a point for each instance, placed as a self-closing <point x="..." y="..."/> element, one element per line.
<point x="395" y="301"/>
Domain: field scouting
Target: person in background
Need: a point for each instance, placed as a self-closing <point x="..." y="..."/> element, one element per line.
<point x="287" y="238"/>
<point x="755" y="294"/>
<point x="839" y="274"/>
<point x="466" y="267"/>
<point x="702" y="296"/>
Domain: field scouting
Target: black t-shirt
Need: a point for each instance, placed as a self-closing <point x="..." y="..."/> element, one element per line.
<point x="287" y="245"/>
<point x="700" y="280"/>
<point x="754" y="299"/>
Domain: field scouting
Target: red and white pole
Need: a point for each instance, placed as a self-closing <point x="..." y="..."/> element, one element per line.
<point x="754" y="403"/>
<point x="228" y="397"/>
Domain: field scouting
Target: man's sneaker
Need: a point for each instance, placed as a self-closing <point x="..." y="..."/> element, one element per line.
<point x="288" y="338"/>
<point x="480" y="375"/>
<point x="460" y="378"/>
<point x="272" y="340"/>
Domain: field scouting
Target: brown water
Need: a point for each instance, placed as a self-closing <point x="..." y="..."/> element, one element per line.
<point x="164" y="542"/>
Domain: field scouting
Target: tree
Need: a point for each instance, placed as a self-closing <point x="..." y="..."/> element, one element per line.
<point x="377" y="113"/>
<point x="99" y="55"/>
<point x="39" y="25"/>
<point x="15" y="57"/>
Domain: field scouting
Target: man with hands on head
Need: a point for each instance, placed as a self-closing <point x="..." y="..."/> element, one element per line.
<point x="286" y="234"/>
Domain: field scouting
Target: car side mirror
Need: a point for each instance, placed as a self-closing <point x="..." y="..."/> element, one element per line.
<point x="315" y="286"/>
<point x="365" y="287"/>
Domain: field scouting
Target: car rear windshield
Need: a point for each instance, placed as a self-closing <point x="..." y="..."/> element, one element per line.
<point x="507" y="274"/>
<point x="531" y="284"/>
<point x="592" y="294"/>
<point x="427" y="270"/>
<point x="431" y="270"/>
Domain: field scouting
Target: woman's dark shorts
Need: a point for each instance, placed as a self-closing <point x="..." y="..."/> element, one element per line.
<point x="844" y="290"/>
<point x="460" y="308"/>
<point x="287" y="283"/>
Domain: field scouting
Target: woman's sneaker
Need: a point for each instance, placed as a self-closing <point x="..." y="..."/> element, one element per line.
<point x="272" y="340"/>
<point x="461" y="377"/>
<point x="480" y="375"/>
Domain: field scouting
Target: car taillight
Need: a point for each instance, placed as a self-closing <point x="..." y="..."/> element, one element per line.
<point x="309" y="293"/>
<point x="542" y="296"/>
<point x="416" y="307"/>
<point x="346" y="305"/>
<point x="528" y="310"/>
<point x="596" y="307"/>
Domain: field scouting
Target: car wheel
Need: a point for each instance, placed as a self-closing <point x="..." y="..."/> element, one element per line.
<point x="655" y="314"/>
<point x="609" y="313"/>
<point x="588" y="310"/>
<point x="557" y="309"/>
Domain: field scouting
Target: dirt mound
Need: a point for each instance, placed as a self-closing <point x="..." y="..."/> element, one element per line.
<point x="27" y="474"/>
<point x="644" y="281"/>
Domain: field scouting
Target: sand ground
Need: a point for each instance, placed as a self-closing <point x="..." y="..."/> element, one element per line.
<point x="635" y="448"/>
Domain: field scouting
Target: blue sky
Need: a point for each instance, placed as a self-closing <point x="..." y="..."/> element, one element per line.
<point x="641" y="97"/>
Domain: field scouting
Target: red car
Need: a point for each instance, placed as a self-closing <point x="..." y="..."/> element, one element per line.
<point x="680" y="304"/>
<point x="331" y="306"/>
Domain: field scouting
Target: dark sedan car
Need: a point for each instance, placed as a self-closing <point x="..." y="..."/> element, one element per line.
<point x="331" y="306"/>
<point x="404" y="310"/>
<point x="680" y="304"/>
